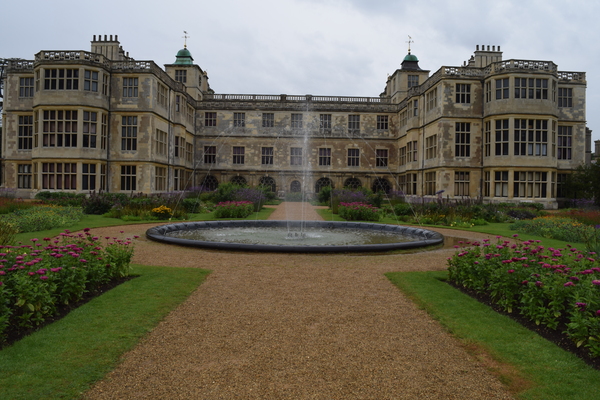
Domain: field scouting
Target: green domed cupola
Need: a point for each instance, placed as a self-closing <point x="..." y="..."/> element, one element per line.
<point x="411" y="57"/>
<point x="184" y="57"/>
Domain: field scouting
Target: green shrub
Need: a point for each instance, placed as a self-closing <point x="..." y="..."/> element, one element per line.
<point x="324" y="195"/>
<point x="226" y="192"/>
<point x="294" y="196"/>
<point x="8" y="231"/>
<point x="234" y="209"/>
<point x="403" y="209"/>
<point x="101" y="202"/>
<point x="359" y="212"/>
<point x="63" y="199"/>
<point x="41" y="218"/>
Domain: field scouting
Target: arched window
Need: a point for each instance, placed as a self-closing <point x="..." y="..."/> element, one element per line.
<point x="239" y="180"/>
<point x="381" y="185"/>
<point x="352" y="183"/>
<point x="209" y="183"/>
<point x="321" y="183"/>
<point x="268" y="182"/>
<point x="295" y="187"/>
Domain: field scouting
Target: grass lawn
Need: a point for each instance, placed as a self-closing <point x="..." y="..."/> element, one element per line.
<point x="532" y="367"/>
<point x="63" y="359"/>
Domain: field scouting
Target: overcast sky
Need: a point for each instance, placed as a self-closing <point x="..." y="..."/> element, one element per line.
<point x="319" y="47"/>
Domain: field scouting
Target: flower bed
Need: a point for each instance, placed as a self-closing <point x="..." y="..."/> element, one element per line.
<point x="358" y="211"/>
<point x="234" y="209"/>
<point x="35" y="279"/>
<point x="40" y="218"/>
<point x="557" y="288"/>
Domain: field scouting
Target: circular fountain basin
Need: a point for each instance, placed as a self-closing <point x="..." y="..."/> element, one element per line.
<point x="295" y="236"/>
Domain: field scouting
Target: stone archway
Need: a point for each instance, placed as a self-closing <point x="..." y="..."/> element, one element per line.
<point x="352" y="183"/>
<point x="381" y="185"/>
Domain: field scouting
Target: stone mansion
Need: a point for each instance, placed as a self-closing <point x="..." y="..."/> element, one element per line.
<point x="499" y="130"/>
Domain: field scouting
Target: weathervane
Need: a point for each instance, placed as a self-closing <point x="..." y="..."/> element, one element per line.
<point x="409" y="41"/>
<point x="185" y="38"/>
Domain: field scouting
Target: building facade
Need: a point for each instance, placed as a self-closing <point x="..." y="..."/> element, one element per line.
<point x="499" y="130"/>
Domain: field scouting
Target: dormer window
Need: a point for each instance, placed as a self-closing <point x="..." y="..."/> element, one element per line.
<point x="181" y="75"/>
<point x="413" y="80"/>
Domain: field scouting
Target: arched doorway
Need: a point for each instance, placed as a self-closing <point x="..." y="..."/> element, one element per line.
<point x="209" y="183"/>
<point x="268" y="182"/>
<point x="295" y="187"/>
<point x="321" y="183"/>
<point x="239" y="180"/>
<point x="381" y="185"/>
<point x="352" y="183"/>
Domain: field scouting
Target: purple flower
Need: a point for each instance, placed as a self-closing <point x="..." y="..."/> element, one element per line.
<point x="596" y="282"/>
<point x="44" y="277"/>
<point x="569" y="284"/>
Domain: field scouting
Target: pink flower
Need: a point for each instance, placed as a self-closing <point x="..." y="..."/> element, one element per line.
<point x="569" y="284"/>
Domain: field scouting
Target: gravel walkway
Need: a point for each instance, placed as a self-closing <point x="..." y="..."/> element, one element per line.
<point x="295" y="326"/>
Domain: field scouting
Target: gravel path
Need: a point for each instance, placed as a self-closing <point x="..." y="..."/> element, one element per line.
<point x="295" y="326"/>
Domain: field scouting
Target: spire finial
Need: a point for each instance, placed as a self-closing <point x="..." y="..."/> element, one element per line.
<point x="409" y="41"/>
<point x="185" y="38"/>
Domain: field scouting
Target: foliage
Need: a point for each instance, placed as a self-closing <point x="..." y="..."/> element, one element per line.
<point x="546" y="285"/>
<point x="552" y="227"/>
<point x="226" y="192"/>
<point x="9" y="204"/>
<point x="139" y="206"/>
<point x="98" y="203"/>
<point x="64" y="199"/>
<point x="40" y="218"/>
<point x="585" y="216"/>
<point x="256" y="196"/>
<point x="402" y="209"/>
<point x="584" y="183"/>
<point x="324" y="195"/>
<point x="162" y="212"/>
<point x="37" y="278"/>
<point x="295" y="196"/>
<point x="359" y="212"/>
<point x="8" y="193"/>
<point x="233" y="209"/>
<point x="8" y="232"/>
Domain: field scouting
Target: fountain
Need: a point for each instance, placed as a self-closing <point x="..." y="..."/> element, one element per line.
<point x="279" y="236"/>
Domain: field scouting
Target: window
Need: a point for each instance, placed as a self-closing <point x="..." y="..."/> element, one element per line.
<point x="296" y="121"/>
<point x="296" y="156"/>
<point x="501" y="183"/>
<point x="61" y="176"/>
<point x="129" y="133"/>
<point x="238" y="154"/>
<point x="462" y="140"/>
<point x="210" y="154"/>
<point x="160" y="143"/>
<point x="431" y="100"/>
<point x="130" y="87"/>
<point x="190" y="114"/>
<point x="411" y="183"/>
<point x="429" y="183"/>
<point x="90" y="122"/>
<point x="353" y="124"/>
<point x="501" y="88"/>
<point x="88" y="176"/>
<point x="24" y="176"/>
<point x="103" y="177"/>
<point x="189" y="152"/>
<point x="404" y="117"/>
<point x="487" y="184"/>
<point x="181" y="75"/>
<point x="105" y="84"/>
<point x="411" y="150"/>
<point x="128" y="177"/>
<point x="239" y="120"/>
<point x="531" y="88"/>
<point x="266" y="156"/>
<point x="177" y="103"/>
<point x="561" y="181"/>
<point x="324" y="156"/>
<point x="104" y="131"/>
<point x="160" y="178"/>
<point x="488" y="91"/>
<point x="25" y="132"/>
<point x="210" y="119"/>
<point x="162" y="95"/>
<point x="268" y="120"/>
<point x="565" y="136"/>
<point x="26" y="87"/>
<point x="461" y="183"/>
<point x="381" y="157"/>
<point x="413" y="80"/>
<point x="530" y="184"/>
<point x="353" y="157"/>
<point x="463" y="93"/>
<point x="325" y="123"/>
<point x="487" y="139"/>
<point x="295" y="187"/>
<point x="352" y="183"/>
<point x="531" y="137"/>
<point x="382" y="122"/>
<point x="61" y="79"/>
<point x="415" y="108"/>
<point x="402" y="155"/>
<point x="565" y="97"/>
<point x="59" y="128"/>
<point x="501" y="137"/>
<point x="431" y="147"/>
<point x="90" y="81"/>
<point x="179" y="147"/>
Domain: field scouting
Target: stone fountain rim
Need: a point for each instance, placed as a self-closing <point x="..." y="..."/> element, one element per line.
<point x="425" y="237"/>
